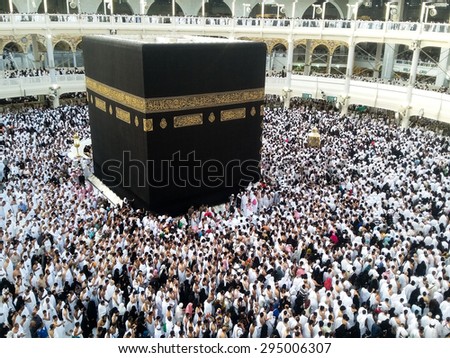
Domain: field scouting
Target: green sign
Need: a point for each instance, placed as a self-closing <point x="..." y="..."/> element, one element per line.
<point x="331" y="99"/>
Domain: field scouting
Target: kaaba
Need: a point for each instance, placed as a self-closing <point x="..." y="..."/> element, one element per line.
<point x="175" y="122"/>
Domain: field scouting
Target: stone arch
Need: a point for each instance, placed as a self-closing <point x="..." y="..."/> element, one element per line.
<point x="318" y="43"/>
<point x="164" y="8"/>
<point x="277" y="57"/>
<point x="41" y="42"/>
<point x="79" y="44"/>
<point x="272" y="43"/>
<point x="366" y="62"/>
<point x="279" y="47"/>
<point x="71" y="40"/>
<point x="339" y="56"/>
<point x="332" y="12"/>
<point x="53" y="7"/>
<point x="41" y="46"/>
<point x="118" y="8"/>
<point x="12" y="52"/>
<point x="430" y="54"/>
<point x="333" y="45"/>
<point x="320" y="57"/>
<point x="36" y="55"/>
<point x="63" y="54"/>
<point x="300" y="42"/>
<point x="299" y="56"/>
<point x="79" y="54"/>
<point x="62" y="45"/>
<point x="13" y="46"/>
<point x="270" y="11"/>
<point x="5" y="9"/>
<point x="215" y="9"/>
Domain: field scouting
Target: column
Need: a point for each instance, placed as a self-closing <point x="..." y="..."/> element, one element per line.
<point x="376" y="71"/>
<point x="74" y="56"/>
<point x="441" y="77"/>
<point x="269" y="63"/>
<point x="51" y="69"/>
<point x="329" y="61"/>
<point x="36" y="55"/>
<point x="50" y="58"/>
<point x="288" y="83"/>
<point x="400" y="9"/>
<point x="142" y="7"/>
<point x="272" y="59"/>
<point x="308" y="56"/>
<point x="390" y="52"/>
<point x="412" y="80"/>
<point x="348" y="76"/>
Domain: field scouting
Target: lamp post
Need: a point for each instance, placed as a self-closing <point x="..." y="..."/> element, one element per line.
<point x="316" y="8"/>
<point x="430" y="10"/>
<point x="108" y="4"/>
<point x="262" y="10"/>
<point x="427" y="8"/>
<point x="391" y="9"/>
<point x="293" y="8"/>
<point x="423" y="9"/>
<point x="111" y="7"/>
<point x="233" y="9"/>
<point x="354" y="10"/>
<point x="142" y="5"/>
<point x="71" y="4"/>
<point x="324" y="6"/>
<point x="246" y="9"/>
<point x="280" y="8"/>
<point x="173" y="8"/>
<point x="45" y="7"/>
<point x="203" y="8"/>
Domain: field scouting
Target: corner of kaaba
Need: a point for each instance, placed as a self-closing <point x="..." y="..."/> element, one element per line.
<point x="175" y="122"/>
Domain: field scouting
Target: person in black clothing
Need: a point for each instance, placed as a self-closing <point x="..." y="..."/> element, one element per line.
<point x="376" y="331"/>
<point x="91" y="315"/>
<point x="35" y="323"/>
<point x="421" y="269"/>
<point x="413" y="299"/>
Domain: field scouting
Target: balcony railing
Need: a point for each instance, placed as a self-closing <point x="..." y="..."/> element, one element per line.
<point x="431" y="102"/>
<point x="52" y="19"/>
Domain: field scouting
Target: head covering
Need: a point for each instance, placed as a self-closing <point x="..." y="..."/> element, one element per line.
<point x="189" y="308"/>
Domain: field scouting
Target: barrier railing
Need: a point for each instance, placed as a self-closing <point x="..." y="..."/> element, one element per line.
<point x="51" y="19"/>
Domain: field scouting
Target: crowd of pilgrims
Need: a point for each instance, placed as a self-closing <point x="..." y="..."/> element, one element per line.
<point x="347" y="240"/>
<point x="36" y="72"/>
